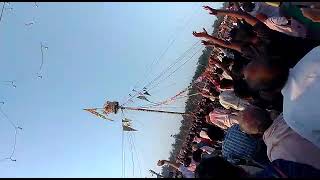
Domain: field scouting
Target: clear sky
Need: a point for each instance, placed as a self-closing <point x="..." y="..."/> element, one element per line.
<point x="97" y="51"/>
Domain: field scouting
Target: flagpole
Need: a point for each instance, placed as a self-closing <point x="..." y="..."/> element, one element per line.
<point x="151" y="110"/>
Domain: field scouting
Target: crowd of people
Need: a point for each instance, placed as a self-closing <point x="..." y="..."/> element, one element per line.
<point x="258" y="116"/>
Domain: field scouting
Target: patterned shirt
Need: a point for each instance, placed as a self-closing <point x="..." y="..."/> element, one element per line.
<point x="239" y="146"/>
<point x="222" y="118"/>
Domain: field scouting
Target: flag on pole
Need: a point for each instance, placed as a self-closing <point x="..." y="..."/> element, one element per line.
<point x="126" y="120"/>
<point x="126" y="125"/>
<point x="126" y="128"/>
<point x="146" y="93"/>
<point x="143" y="98"/>
<point x="94" y="112"/>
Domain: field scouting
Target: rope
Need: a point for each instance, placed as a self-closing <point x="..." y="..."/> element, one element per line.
<point x="122" y="154"/>
<point x="162" y="73"/>
<point x="166" y="49"/>
<point x="41" y="57"/>
<point x="122" y="149"/>
<point x="172" y="65"/>
<point x="131" y="149"/>
<point x="137" y="155"/>
<point x="4" y="3"/>
<point x="178" y="67"/>
<point x="14" y="144"/>
<point x="125" y="103"/>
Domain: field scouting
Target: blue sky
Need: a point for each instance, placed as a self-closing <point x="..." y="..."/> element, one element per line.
<point x="97" y="51"/>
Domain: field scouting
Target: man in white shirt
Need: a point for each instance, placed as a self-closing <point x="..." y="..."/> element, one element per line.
<point x="290" y="26"/>
<point x="254" y="8"/>
<point x="228" y="99"/>
<point x="302" y="96"/>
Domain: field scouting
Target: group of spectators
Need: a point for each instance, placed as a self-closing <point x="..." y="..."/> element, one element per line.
<point x="258" y="116"/>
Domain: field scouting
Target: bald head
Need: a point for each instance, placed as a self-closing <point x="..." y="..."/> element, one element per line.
<point x="254" y="120"/>
<point x="265" y="75"/>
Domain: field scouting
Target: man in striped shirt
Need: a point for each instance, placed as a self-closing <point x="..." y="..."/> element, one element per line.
<point x="239" y="147"/>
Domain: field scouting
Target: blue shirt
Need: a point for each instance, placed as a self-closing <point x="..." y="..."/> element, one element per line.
<point x="238" y="145"/>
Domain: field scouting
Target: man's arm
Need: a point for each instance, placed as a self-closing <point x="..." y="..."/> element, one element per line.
<point x="209" y="96"/>
<point x="223" y="44"/>
<point x="239" y="15"/>
<point x="172" y="164"/>
<point x="220" y="65"/>
<point x="216" y="41"/>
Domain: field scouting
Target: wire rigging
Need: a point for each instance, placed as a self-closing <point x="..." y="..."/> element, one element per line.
<point x="163" y="72"/>
<point x="173" y="64"/>
<point x="137" y="155"/>
<point x="2" y="9"/>
<point x="131" y="150"/>
<point x="173" y="38"/>
<point x="130" y="99"/>
<point x="122" y="149"/>
<point x="178" y="67"/>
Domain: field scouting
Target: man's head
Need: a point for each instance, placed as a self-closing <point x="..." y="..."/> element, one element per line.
<point x="197" y="139"/>
<point x="187" y="161"/>
<point x="215" y="133"/>
<point x="194" y="147"/>
<point x="217" y="167"/>
<point x="204" y="134"/>
<point x="197" y="155"/>
<point x="265" y="75"/>
<point x="241" y="89"/>
<point x="254" y="120"/>
<point x="219" y="71"/>
<point x="226" y="61"/>
<point x="226" y="84"/>
<point x="242" y="35"/>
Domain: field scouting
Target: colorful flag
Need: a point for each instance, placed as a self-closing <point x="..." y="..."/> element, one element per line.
<point x="94" y="112"/>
